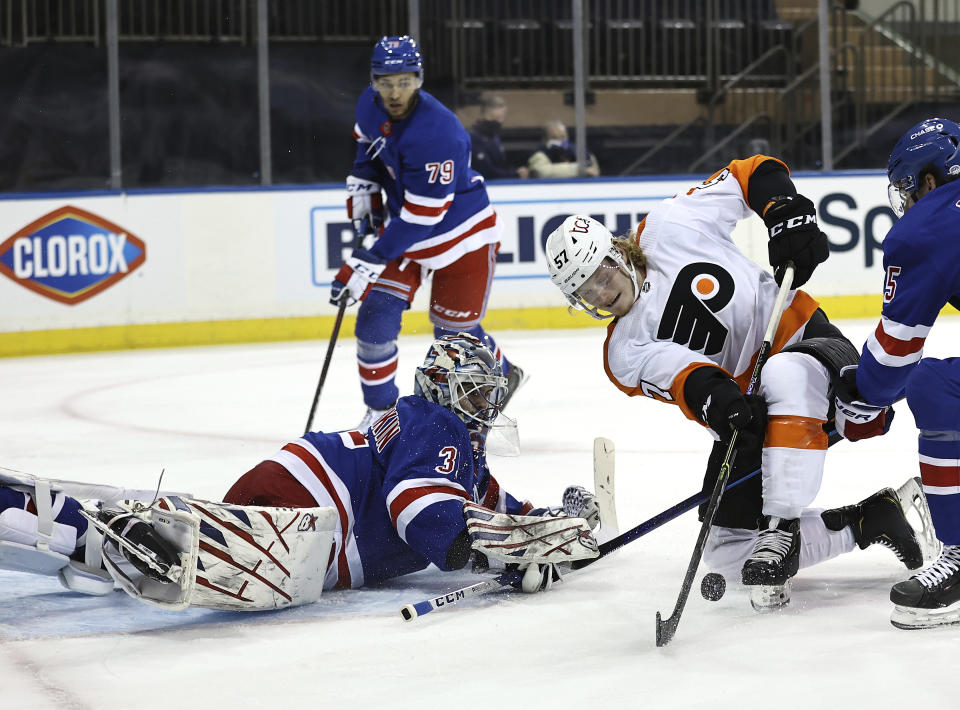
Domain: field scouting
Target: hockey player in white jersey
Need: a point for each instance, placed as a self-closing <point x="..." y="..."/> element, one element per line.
<point x="689" y="310"/>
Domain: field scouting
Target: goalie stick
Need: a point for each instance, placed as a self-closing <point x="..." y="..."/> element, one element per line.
<point x="509" y="579"/>
<point x="603" y="486"/>
<point x="666" y="629"/>
<point x="603" y="471"/>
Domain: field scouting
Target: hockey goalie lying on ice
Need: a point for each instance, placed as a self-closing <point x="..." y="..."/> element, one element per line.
<point x="328" y="511"/>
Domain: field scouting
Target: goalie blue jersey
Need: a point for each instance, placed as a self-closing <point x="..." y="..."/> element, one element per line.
<point x="438" y="205"/>
<point x="921" y="261"/>
<point x="399" y="490"/>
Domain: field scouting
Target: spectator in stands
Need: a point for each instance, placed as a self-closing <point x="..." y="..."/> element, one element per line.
<point x="557" y="157"/>
<point x="489" y="158"/>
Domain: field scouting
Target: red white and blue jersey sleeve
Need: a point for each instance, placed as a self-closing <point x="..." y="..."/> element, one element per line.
<point x="429" y="475"/>
<point x="914" y="293"/>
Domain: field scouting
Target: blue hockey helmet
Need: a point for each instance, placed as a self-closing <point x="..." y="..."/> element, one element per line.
<point x="463" y="375"/>
<point x="396" y="55"/>
<point x="933" y="143"/>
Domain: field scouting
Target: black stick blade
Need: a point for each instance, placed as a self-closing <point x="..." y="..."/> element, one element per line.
<point x="666" y="630"/>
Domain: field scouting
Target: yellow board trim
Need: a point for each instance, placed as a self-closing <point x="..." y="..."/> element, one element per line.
<point x="167" y="335"/>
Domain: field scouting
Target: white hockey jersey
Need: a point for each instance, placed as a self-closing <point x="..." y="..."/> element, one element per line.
<point x="702" y="302"/>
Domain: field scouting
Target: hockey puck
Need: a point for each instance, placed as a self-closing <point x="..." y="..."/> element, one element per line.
<point x="713" y="586"/>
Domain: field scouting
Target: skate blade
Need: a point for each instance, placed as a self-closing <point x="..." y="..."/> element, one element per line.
<point x="911" y="618"/>
<point x="769" y="597"/>
<point x="917" y="512"/>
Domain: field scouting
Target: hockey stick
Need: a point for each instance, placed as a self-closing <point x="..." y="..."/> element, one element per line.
<point x="508" y="579"/>
<point x="674" y="511"/>
<point x="603" y="452"/>
<point x="667" y="629"/>
<point x="361" y="230"/>
<point x="412" y="611"/>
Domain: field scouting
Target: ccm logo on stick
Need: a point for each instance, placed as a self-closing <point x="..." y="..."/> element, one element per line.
<point x="70" y="255"/>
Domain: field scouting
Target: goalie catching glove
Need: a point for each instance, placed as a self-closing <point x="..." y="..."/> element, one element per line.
<point x="535" y="544"/>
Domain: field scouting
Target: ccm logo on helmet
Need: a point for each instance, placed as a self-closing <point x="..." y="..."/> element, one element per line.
<point x="70" y="255"/>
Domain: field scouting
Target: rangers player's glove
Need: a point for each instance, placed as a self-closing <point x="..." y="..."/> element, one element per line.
<point x="855" y="419"/>
<point x="794" y="236"/>
<point x="355" y="276"/>
<point x="364" y="201"/>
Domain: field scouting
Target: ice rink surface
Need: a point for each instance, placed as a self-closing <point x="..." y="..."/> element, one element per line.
<point x="206" y="415"/>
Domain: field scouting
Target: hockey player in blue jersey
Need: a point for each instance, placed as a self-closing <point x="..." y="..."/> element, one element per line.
<point x="329" y="510"/>
<point x="438" y="222"/>
<point x="921" y="261"/>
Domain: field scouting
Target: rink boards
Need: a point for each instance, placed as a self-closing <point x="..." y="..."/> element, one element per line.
<point x="91" y="271"/>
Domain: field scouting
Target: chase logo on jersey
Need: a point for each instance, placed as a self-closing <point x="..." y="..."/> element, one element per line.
<point x="70" y="255"/>
<point x="701" y="289"/>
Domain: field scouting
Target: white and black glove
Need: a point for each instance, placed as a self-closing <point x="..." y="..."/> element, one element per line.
<point x="361" y="270"/>
<point x="856" y="419"/>
<point x="364" y="201"/>
<point x="794" y="236"/>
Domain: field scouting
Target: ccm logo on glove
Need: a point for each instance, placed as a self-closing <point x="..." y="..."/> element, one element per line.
<point x="792" y="223"/>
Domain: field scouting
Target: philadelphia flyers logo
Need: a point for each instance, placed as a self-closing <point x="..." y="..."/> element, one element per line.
<point x="701" y="289"/>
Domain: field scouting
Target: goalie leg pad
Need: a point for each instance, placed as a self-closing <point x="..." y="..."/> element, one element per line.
<point x="526" y="539"/>
<point x="245" y="558"/>
<point x="255" y="557"/>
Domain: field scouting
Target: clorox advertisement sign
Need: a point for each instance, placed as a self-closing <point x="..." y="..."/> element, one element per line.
<point x="70" y="255"/>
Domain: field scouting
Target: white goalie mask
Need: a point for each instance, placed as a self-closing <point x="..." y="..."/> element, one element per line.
<point x="463" y="375"/>
<point x="575" y="250"/>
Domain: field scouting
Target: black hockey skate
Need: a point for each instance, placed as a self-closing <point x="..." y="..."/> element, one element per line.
<point x="141" y="545"/>
<point x="930" y="598"/>
<point x="880" y="519"/>
<point x="774" y="560"/>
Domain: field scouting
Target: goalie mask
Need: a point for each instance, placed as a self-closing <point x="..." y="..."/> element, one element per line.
<point x="578" y="249"/>
<point x="461" y="374"/>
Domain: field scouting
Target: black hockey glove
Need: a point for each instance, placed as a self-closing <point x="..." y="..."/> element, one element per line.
<point x="794" y="236"/>
<point x="720" y="404"/>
